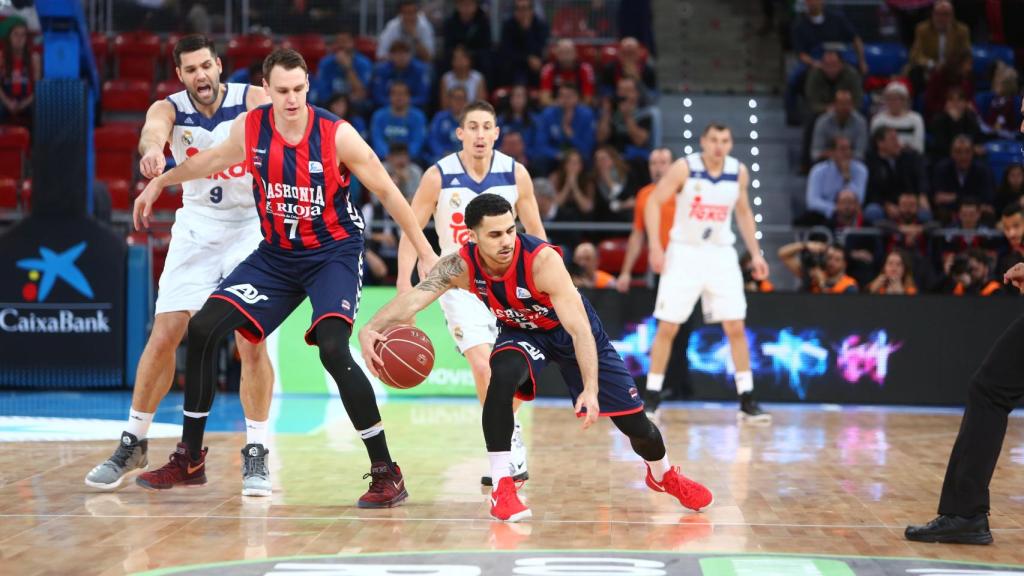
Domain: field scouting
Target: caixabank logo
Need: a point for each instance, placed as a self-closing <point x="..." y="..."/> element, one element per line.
<point x="38" y="314"/>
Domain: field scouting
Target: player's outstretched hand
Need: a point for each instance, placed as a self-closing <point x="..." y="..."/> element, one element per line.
<point x="656" y="258"/>
<point x="760" y="268"/>
<point x="622" y="283"/>
<point x="1015" y="276"/>
<point x="143" y="207"/>
<point x="588" y="399"/>
<point x="152" y="164"/>
<point x="368" y="340"/>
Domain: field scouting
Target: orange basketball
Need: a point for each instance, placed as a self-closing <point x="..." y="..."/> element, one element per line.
<point x="407" y="357"/>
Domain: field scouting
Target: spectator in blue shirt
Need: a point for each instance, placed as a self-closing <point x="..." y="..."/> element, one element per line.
<point x="568" y="124"/>
<point x="398" y="123"/>
<point x="442" y="140"/>
<point x="344" y="71"/>
<point x="518" y="116"/>
<point x="400" y="65"/>
<point x="841" y="172"/>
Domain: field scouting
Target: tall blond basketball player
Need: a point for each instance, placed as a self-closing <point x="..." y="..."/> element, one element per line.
<point x="216" y="228"/>
<point x="701" y="262"/>
<point x="445" y="190"/>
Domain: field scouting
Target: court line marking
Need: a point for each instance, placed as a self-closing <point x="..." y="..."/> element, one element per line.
<point x="481" y="519"/>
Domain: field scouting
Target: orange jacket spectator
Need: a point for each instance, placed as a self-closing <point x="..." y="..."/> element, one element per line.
<point x="668" y="213"/>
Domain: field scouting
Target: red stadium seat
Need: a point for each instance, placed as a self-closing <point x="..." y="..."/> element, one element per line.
<point x="14" y="148"/>
<point x="168" y="201"/>
<point x="120" y="195"/>
<point x="8" y="194"/>
<point x="101" y="53"/>
<point x="168" y="87"/>
<point x="312" y="47"/>
<point x="115" y="151"/>
<point x="612" y="252"/>
<point x="126" y="96"/>
<point x="367" y="46"/>
<point x="137" y="54"/>
<point x="244" y="49"/>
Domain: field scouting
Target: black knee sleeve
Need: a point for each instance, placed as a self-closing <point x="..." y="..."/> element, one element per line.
<point x="509" y="370"/>
<point x="206" y="331"/>
<point x="643" y="435"/>
<point x="332" y="336"/>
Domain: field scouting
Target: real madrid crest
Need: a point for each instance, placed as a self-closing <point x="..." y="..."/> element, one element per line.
<point x="455" y="201"/>
<point x="458" y="332"/>
<point x="186" y="137"/>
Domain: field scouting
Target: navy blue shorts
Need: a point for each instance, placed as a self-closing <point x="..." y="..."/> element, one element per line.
<point x="269" y="284"/>
<point x="617" y="393"/>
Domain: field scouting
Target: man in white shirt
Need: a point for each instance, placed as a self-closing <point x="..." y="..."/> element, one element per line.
<point x="412" y="26"/>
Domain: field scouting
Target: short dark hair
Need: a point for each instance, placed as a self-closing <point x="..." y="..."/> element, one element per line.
<point x="1012" y="209"/>
<point x="193" y="43"/>
<point x="485" y="205"/>
<point x="399" y="82"/>
<point x="479" y="105"/>
<point x="880" y="133"/>
<point x="715" y="126"/>
<point x="286" y="58"/>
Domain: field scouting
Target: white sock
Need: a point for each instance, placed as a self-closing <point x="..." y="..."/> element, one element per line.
<point x="138" y="423"/>
<point x="255" y="432"/>
<point x="659" y="467"/>
<point x="501" y="463"/>
<point x="744" y="382"/>
<point x="654" y="382"/>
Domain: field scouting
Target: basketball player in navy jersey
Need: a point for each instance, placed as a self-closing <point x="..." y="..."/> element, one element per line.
<point x="445" y="190"/>
<point x="215" y="230"/>
<point x="543" y="318"/>
<point x="301" y="158"/>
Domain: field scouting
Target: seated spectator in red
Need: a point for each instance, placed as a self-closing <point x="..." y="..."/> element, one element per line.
<point x="959" y="176"/>
<point x="892" y="170"/>
<point x="524" y="37"/>
<point x="846" y="215"/>
<point x="841" y="120"/>
<point x="627" y="124"/>
<point x="585" y="256"/>
<point x="463" y="75"/>
<point x="630" y="63"/>
<point x="937" y="41"/>
<point x="614" y="190"/>
<point x="897" y="276"/>
<point x="824" y="83"/>
<point x="954" y="75"/>
<point x="1002" y="119"/>
<point x="971" y="275"/>
<point x="567" y="124"/>
<point x="21" y="69"/>
<point x="958" y="117"/>
<point x="907" y="230"/>
<point x="898" y="115"/>
<point x="575" y="193"/>
<point x="827" y="179"/>
<point x="566" y="69"/>
<point x="1011" y="189"/>
<point x="469" y="27"/>
<point x="749" y="283"/>
<point x="964" y="235"/>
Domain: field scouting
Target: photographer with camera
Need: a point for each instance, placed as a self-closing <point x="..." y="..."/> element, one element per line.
<point x="821" y="267"/>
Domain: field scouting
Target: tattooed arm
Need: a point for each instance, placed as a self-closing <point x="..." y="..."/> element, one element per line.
<point x="449" y="272"/>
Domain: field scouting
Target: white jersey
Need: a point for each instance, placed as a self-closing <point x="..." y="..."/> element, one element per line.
<point x="226" y="195"/>
<point x="457" y="189"/>
<point x="704" y="206"/>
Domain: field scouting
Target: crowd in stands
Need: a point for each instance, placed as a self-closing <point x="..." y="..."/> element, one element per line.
<point x="914" y="176"/>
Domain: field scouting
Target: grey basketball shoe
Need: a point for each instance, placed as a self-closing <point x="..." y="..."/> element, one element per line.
<point x="129" y="458"/>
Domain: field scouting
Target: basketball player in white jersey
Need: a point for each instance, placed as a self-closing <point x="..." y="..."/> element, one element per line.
<point x="445" y="190"/>
<point x="216" y="228"/>
<point x="701" y="262"/>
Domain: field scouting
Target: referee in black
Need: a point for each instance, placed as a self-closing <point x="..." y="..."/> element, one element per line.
<point x="994" y="391"/>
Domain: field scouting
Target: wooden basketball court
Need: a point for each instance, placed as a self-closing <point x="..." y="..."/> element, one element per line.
<point x="816" y="483"/>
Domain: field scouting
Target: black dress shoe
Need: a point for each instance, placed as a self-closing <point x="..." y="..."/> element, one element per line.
<point x="951" y="529"/>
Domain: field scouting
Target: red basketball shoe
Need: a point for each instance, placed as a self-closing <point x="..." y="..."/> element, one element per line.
<point x="505" y="503"/>
<point x="387" y="487"/>
<point x="179" y="470"/>
<point x="691" y="494"/>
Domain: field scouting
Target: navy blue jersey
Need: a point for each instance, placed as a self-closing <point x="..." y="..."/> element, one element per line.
<point x="301" y="191"/>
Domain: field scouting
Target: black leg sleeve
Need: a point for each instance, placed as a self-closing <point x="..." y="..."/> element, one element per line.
<point x="206" y="331"/>
<point x="509" y="370"/>
<point x="332" y="336"/>
<point x="643" y="435"/>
